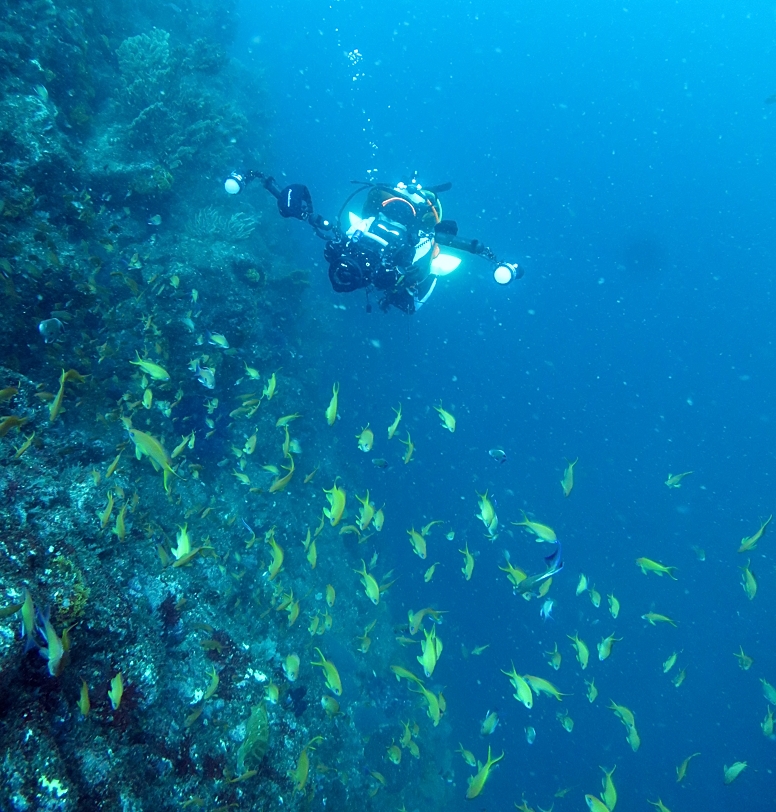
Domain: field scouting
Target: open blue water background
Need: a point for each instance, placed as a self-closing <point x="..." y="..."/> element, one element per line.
<point x="623" y="153"/>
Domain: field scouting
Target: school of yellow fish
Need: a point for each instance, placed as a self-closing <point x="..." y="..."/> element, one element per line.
<point x="335" y="509"/>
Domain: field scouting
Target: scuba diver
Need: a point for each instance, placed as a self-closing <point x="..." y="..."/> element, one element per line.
<point x="393" y="247"/>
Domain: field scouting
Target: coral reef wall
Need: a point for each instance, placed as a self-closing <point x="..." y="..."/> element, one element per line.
<point x="157" y="569"/>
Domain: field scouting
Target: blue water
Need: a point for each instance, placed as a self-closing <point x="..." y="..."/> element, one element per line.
<point x="624" y="156"/>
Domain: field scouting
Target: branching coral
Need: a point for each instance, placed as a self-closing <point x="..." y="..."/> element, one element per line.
<point x="207" y="223"/>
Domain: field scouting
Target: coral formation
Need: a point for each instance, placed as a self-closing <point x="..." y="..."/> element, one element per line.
<point x="106" y="110"/>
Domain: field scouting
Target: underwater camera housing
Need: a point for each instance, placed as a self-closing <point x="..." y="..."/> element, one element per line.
<point x="352" y="265"/>
<point x="372" y="253"/>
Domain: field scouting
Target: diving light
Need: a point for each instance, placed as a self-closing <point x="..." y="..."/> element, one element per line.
<point x="443" y="264"/>
<point x="506" y="272"/>
<point x="234" y="184"/>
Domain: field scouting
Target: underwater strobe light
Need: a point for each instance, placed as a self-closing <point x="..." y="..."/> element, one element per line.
<point x="235" y="183"/>
<point x="506" y="272"/>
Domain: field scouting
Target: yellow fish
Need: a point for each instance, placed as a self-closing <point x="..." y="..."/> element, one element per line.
<point x="614" y="606"/>
<point x="487" y="515"/>
<point x="366" y="512"/>
<point x="654" y="618"/>
<point x="402" y="673"/>
<point x="658" y="804"/>
<point x="489" y="724"/>
<point x="609" y="794"/>
<point x="431" y="649"/>
<point x="670" y="662"/>
<point x="251" y="372"/>
<point x="567" y="483"/>
<point x="594" y="805"/>
<point x="514" y="574"/>
<point x="468" y="562"/>
<point x="467" y="755"/>
<point x="679" y="678"/>
<point x="283" y="421"/>
<point x="28" y="442"/>
<point x="733" y="771"/>
<point x="681" y="770"/>
<point x="112" y="467"/>
<point x="54" y="409"/>
<point x="448" y="421"/>
<point x="541" y="531"/>
<point x="626" y="715"/>
<point x="218" y="340"/>
<point x="767" y="724"/>
<point x="648" y="565"/>
<point x="522" y="688"/>
<point x="416" y="618"/>
<point x="410" y="448"/>
<point x="105" y="515"/>
<point x="769" y="691"/>
<point x="675" y="480"/>
<point x="418" y="543"/>
<point x="331" y="409"/>
<point x="330" y="706"/>
<point x="566" y="721"/>
<point x="271" y="387"/>
<point x="301" y="772"/>
<point x="378" y="520"/>
<point x="336" y="498"/>
<point x="426" y="529"/>
<point x="84" y="705"/>
<point x="116" y="691"/>
<point x="477" y="782"/>
<point x="395" y="425"/>
<point x="750" y="542"/>
<point x="158" y="373"/>
<point x="605" y="646"/>
<point x="366" y="439"/>
<point x="277" y="556"/>
<point x="592" y="691"/>
<point x="543" y="686"/>
<point x="371" y="587"/>
<point x="744" y="660"/>
<point x="333" y="681"/>
<point x="583" y="653"/>
<point x="188" y="440"/>
<point x="149" y="446"/>
<point x="748" y="581"/>
<point x="280" y="483"/>
<point x="429" y="573"/>
<point x="291" y="667"/>
<point x="393" y="754"/>
<point x="434" y="709"/>
<point x="312" y="554"/>
<point x="555" y="658"/>
<point x="120" y="528"/>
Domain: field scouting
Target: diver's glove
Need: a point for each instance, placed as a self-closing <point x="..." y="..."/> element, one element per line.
<point x="295" y="201"/>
